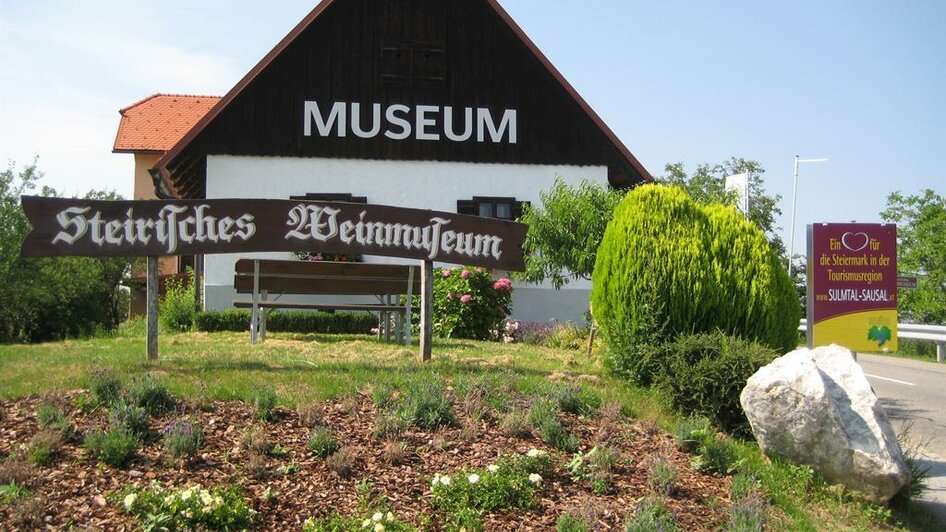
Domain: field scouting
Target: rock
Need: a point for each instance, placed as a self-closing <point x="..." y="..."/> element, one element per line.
<point x="815" y="407"/>
<point x="135" y="474"/>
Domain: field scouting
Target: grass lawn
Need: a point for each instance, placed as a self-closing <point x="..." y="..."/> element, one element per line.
<point x="324" y="369"/>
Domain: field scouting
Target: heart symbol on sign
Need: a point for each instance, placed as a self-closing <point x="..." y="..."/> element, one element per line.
<point x="855" y="241"/>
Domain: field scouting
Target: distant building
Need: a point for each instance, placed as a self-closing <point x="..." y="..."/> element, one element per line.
<point x="426" y="104"/>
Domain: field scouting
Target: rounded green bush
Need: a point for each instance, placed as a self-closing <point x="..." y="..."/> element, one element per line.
<point x="668" y="266"/>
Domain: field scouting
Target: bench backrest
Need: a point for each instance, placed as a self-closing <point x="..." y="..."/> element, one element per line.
<point x="325" y="277"/>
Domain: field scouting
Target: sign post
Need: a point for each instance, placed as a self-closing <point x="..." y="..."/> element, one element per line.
<point x="852" y="286"/>
<point x="152" y="310"/>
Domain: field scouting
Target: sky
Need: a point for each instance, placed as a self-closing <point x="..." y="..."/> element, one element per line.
<point x="859" y="82"/>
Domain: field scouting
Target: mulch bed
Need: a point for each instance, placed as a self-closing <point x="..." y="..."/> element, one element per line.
<point x="74" y="491"/>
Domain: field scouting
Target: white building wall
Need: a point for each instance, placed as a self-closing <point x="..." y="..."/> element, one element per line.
<point x="416" y="184"/>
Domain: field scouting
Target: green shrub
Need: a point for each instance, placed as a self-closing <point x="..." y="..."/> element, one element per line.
<point x="105" y="385"/>
<point x="717" y="455"/>
<point x="263" y="401"/>
<point x="669" y="266"/>
<point x="595" y="467"/>
<point x="469" y="303"/>
<point x="662" y="477"/>
<point x="322" y="442"/>
<point x="178" y="308"/>
<point x="691" y="433"/>
<point x="389" y="425"/>
<point x="131" y="417"/>
<point x="371" y="521"/>
<point x="542" y="417"/>
<point x="44" y="447"/>
<point x="570" y="522"/>
<point x="705" y="373"/>
<point x="651" y="515"/>
<point x="301" y="322"/>
<point x="50" y="416"/>
<point x="115" y="447"/>
<point x="425" y="403"/>
<point x="182" y="438"/>
<point x="747" y="515"/>
<point x="191" y="508"/>
<point x="150" y="393"/>
<point x="575" y="399"/>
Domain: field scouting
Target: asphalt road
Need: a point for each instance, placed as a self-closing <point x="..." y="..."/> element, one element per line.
<point x="913" y="393"/>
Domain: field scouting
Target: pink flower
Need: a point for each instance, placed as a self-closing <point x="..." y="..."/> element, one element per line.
<point x="466" y="298"/>
<point x="446" y="273"/>
<point x="464" y="274"/>
<point x="502" y="285"/>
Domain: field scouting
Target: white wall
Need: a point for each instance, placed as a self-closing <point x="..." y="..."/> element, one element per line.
<point x="417" y="184"/>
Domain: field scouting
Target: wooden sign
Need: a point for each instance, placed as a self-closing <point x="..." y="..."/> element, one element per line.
<point x="200" y="227"/>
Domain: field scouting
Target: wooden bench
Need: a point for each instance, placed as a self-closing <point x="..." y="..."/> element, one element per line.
<point x="264" y="278"/>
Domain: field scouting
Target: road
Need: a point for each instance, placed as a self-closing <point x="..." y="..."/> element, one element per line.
<point x="913" y="393"/>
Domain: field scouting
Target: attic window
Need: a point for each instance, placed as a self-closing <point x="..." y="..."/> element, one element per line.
<point x="413" y="64"/>
<point x="321" y="196"/>
<point x="491" y="207"/>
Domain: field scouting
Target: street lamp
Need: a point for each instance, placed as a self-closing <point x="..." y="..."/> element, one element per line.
<point x="791" y="243"/>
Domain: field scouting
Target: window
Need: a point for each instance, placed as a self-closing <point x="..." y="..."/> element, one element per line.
<point x="413" y="64"/>
<point x="489" y="207"/>
<point x="331" y="197"/>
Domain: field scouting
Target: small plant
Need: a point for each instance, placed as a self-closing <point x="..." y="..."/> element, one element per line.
<point x="747" y="515"/>
<point x="28" y="512"/>
<point x="383" y="395"/>
<point x="13" y="492"/>
<point x="44" y="447"/>
<point x="255" y="441"/>
<point x="322" y="442"/>
<point x="105" y="385"/>
<point x="515" y="423"/>
<point x="178" y="307"/>
<point x="17" y="470"/>
<point x="389" y="425"/>
<point x="134" y="418"/>
<point x="348" y="405"/>
<point x="551" y="431"/>
<point x="115" y="447"/>
<point x="379" y="521"/>
<point x="468" y="303"/>
<point x="691" y="433"/>
<point x="342" y="462"/>
<point x="569" y="522"/>
<point x="50" y="416"/>
<point x="743" y="485"/>
<point x="263" y="401"/>
<point x="575" y="399"/>
<point x="662" y="477"/>
<point x="182" y="438"/>
<point x="596" y="467"/>
<point x="150" y="393"/>
<point x="510" y="483"/>
<point x="395" y="453"/>
<point x="426" y="403"/>
<point x="191" y="508"/>
<point x="287" y="469"/>
<point x="651" y="515"/>
<point x="717" y="455"/>
<point x="310" y="415"/>
<point x="255" y="466"/>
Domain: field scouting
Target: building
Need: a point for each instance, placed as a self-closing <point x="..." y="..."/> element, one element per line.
<point x="414" y="103"/>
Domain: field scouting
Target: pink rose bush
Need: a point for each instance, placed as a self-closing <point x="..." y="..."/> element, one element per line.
<point x="470" y="303"/>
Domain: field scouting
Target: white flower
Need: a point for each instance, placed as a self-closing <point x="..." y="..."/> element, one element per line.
<point x="445" y="480"/>
<point x="436" y="480"/>
<point x="533" y="453"/>
<point x="206" y="497"/>
<point x="492" y="468"/>
<point x="186" y="494"/>
<point x="535" y="478"/>
<point x="389" y="517"/>
<point x="366" y="523"/>
<point x="377" y="516"/>
<point x="378" y="527"/>
<point x="474" y="478"/>
<point x="130" y="501"/>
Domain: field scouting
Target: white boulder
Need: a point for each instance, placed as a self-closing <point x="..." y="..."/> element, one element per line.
<point x="815" y="407"/>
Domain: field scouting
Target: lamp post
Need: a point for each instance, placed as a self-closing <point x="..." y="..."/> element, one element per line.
<point x="791" y="243"/>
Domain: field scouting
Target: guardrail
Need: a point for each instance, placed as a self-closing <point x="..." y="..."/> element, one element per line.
<point x="913" y="331"/>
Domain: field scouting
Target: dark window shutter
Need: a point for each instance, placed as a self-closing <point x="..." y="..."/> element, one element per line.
<point x="467" y="207"/>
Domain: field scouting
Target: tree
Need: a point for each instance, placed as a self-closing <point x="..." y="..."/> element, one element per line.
<point x="565" y="233"/>
<point x="50" y="298"/>
<point x="921" y="251"/>
<point x="707" y="185"/>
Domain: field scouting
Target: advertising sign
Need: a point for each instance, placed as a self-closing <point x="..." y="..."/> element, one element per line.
<point x="852" y="286"/>
<point x="190" y="227"/>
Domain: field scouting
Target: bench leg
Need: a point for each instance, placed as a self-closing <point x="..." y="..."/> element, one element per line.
<point x="262" y="318"/>
<point x="254" y="314"/>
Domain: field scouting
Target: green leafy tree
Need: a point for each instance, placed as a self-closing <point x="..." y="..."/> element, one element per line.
<point x="707" y="185"/>
<point x="564" y="234"/>
<point x="921" y="251"/>
<point x="50" y="298"/>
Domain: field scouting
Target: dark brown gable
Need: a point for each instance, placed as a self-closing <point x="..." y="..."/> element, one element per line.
<point x="419" y="60"/>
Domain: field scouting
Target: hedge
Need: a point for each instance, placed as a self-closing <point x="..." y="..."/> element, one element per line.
<point x="238" y="320"/>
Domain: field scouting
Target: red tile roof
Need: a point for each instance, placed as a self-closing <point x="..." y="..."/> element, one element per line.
<point x="157" y="123"/>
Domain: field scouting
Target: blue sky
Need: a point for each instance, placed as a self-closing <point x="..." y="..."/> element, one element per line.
<point x="862" y="83"/>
